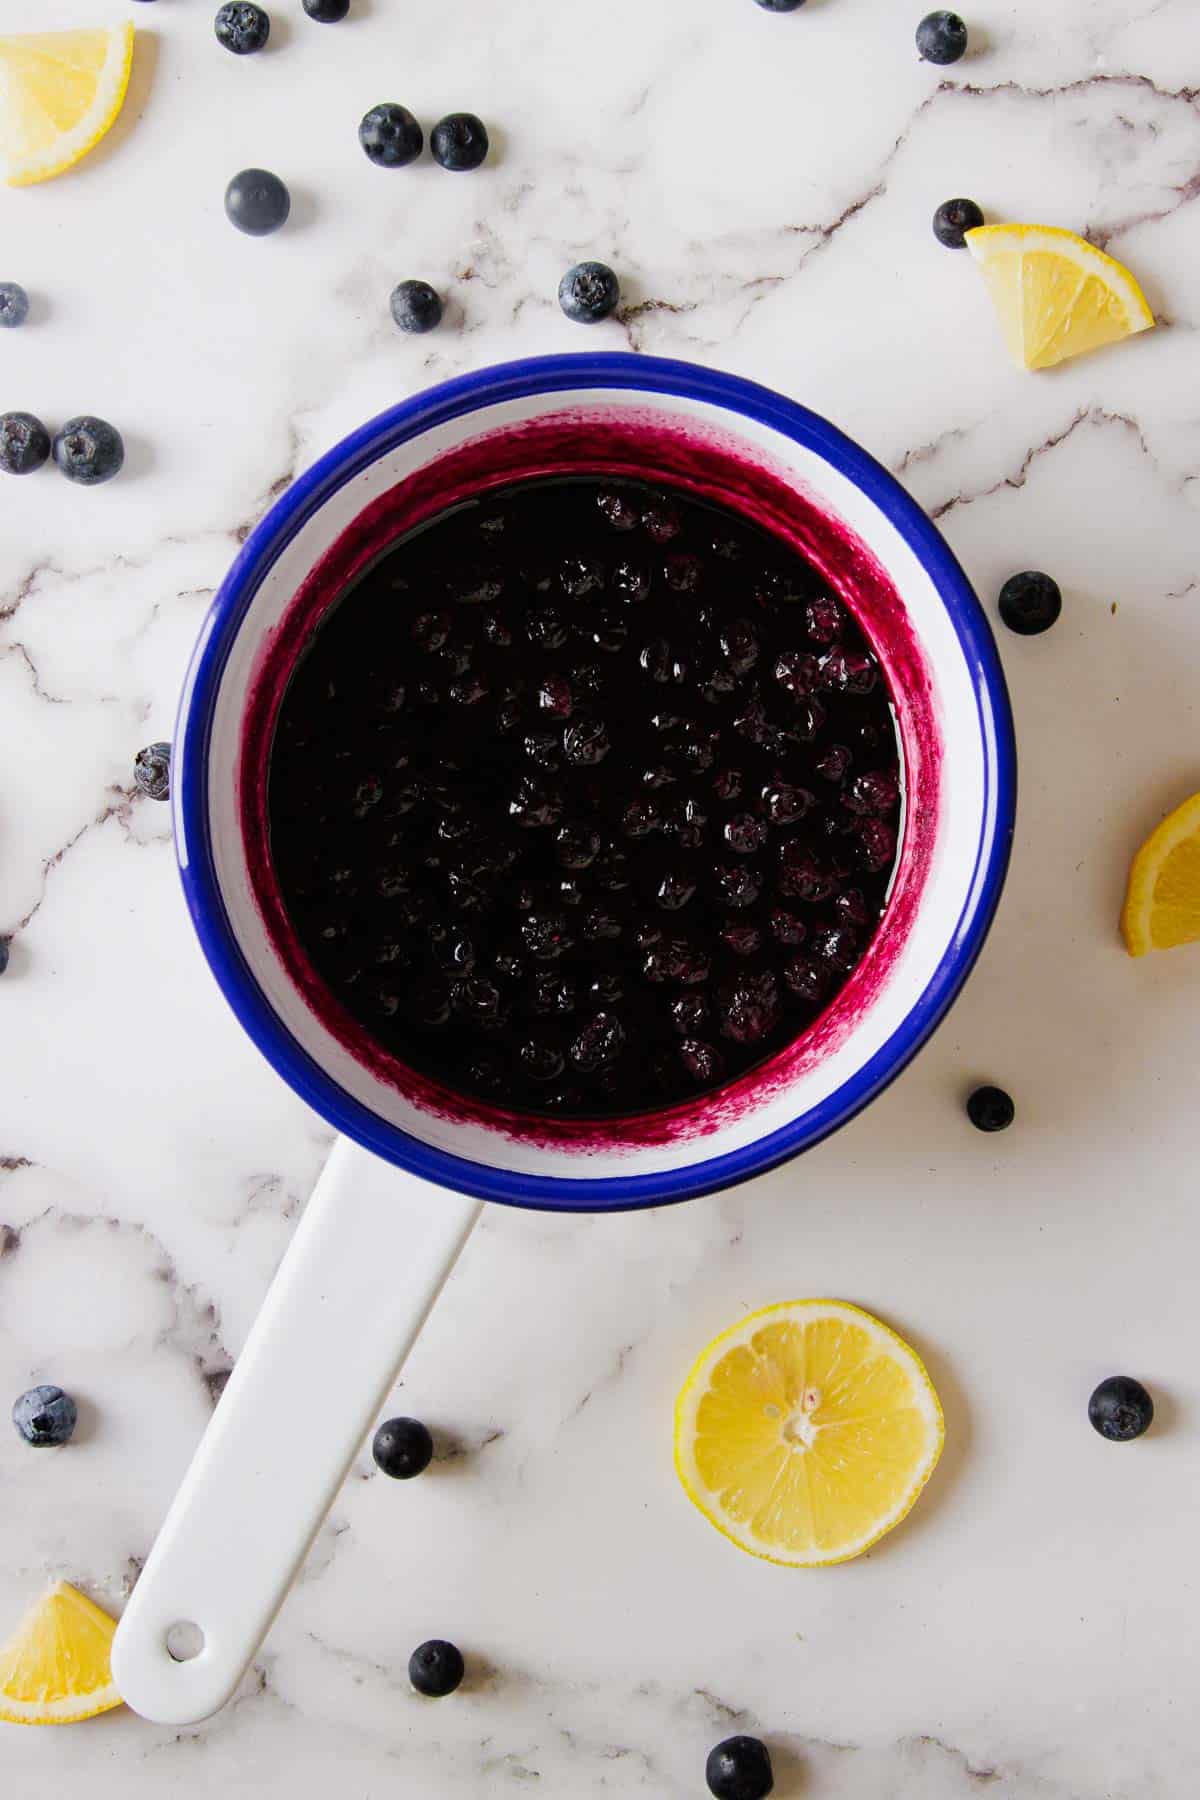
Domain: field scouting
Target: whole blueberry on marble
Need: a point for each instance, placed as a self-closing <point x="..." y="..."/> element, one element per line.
<point x="4" y="950"/>
<point x="990" y="1109"/>
<point x="953" y="219"/>
<point x="1030" y="602"/>
<point x="780" y="5"/>
<point x="589" y="292"/>
<point x="416" y="306"/>
<point x="257" y="202"/>
<point x="89" y="450"/>
<point x="152" y="771"/>
<point x="390" y="135"/>
<point x="326" y="12"/>
<point x="459" y="141"/>
<point x="44" y="1416"/>
<point x="1121" y="1409"/>
<point x="436" y="1668"/>
<point x="242" y="27"/>
<point x="941" y="37"/>
<point x="14" y="305"/>
<point x="24" y="443"/>
<point x="739" y="1769"/>
<point x="402" y="1448"/>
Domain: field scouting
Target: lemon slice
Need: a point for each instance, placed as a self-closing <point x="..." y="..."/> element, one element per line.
<point x="1162" y="901"/>
<point x="1056" y="295"/>
<point x="54" y="1668"/>
<point x="60" y="91"/>
<point x="806" y="1432"/>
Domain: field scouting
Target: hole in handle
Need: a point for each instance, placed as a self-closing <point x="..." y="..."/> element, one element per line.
<point x="184" y="1640"/>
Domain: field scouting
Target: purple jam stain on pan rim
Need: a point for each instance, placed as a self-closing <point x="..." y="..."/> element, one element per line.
<point x="647" y="446"/>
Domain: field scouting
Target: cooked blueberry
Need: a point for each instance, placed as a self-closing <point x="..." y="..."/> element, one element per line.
<point x="834" y="763"/>
<point x="786" y="928"/>
<point x="740" y="1767"/>
<point x="738" y="885"/>
<point x="953" y="219"/>
<point x="784" y="804"/>
<point x="459" y="141"/>
<point x="430" y="630"/>
<point x="402" y="1448"/>
<point x="745" y="834"/>
<point x="836" y="945"/>
<point x="542" y="747"/>
<point x="476" y="999"/>
<point x="873" y="794"/>
<point x="579" y="576"/>
<point x="599" y="1044"/>
<point x="546" y="935"/>
<point x="727" y="784"/>
<point x="689" y="1014"/>
<point x="89" y="450"/>
<point x="687" y="823"/>
<point x="1030" y="602"/>
<point x="612" y="871"/>
<point x="607" y="631"/>
<point x="683" y="572"/>
<point x="702" y="1062"/>
<point x="546" y="628"/>
<point x="24" y="443"/>
<point x="416" y="306"/>
<point x="589" y="292"/>
<point x="739" y="646"/>
<point x="551" y="994"/>
<point x="600" y="925"/>
<point x="1120" y="1409"/>
<point x="941" y="38"/>
<point x="848" y="671"/>
<point x="631" y="581"/>
<point x="823" y="619"/>
<point x="570" y="892"/>
<point x="257" y="202"/>
<point x="674" y="890"/>
<point x="640" y="818"/>
<point x="541" y="1062"/>
<point x="743" y="940"/>
<point x="14" y="305"/>
<point x="241" y="27"/>
<point x="661" y="520"/>
<point x="554" y="696"/>
<point x="436" y="1668"/>
<point x="990" y="1109"/>
<point x="657" y="776"/>
<point x="366" y="795"/>
<point x="152" y="771"/>
<point x="716" y="684"/>
<point x="674" y="959"/>
<point x="44" y="1416"/>
<point x="587" y="678"/>
<point x="851" y="907"/>
<point x="803" y="875"/>
<point x="586" y="742"/>
<point x="326" y="12"/>
<point x="876" y="844"/>
<point x="749" y="1007"/>
<point x="456" y="953"/>
<point x="753" y="724"/>
<point x="496" y="632"/>
<point x="577" y="846"/>
<point x="797" y="671"/>
<point x="619" y="510"/>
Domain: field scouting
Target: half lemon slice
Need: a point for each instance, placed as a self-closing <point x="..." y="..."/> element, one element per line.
<point x="1055" y="294"/>
<point x="54" y="1668"/>
<point x="60" y="91"/>
<point x="807" y="1431"/>
<point x="1162" y="901"/>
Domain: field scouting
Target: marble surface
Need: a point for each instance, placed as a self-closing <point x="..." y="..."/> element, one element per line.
<point x="763" y="184"/>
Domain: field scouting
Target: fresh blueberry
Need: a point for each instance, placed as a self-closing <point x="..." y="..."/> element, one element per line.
<point x="459" y="141"/>
<point x="739" y="1769"/>
<point x="990" y="1109"/>
<point x="24" y="443"/>
<point x="416" y="306"/>
<point x="780" y="5"/>
<point x="588" y="292"/>
<point x="941" y="37"/>
<point x="4" y="953"/>
<point x="391" y="136"/>
<point x="89" y="450"/>
<point x="152" y="771"/>
<point x="436" y="1668"/>
<point x="44" y="1416"/>
<point x="1030" y="602"/>
<point x="242" y="27"/>
<point x="14" y="305"/>
<point x="1121" y="1409"/>
<point x="257" y="202"/>
<point x="952" y="219"/>
<point x="326" y="12"/>
<point x="402" y="1448"/>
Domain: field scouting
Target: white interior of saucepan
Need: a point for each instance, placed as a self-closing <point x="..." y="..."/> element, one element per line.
<point x="955" y="837"/>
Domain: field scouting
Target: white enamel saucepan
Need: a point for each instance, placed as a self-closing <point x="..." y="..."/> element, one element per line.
<point x="413" y="1164"/>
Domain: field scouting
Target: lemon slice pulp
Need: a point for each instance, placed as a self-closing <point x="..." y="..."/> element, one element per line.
<point x="54" y="1669"/>
<point x="1055" y="294"/>
<point x="60" y="91"/>
<point x="1162" y="901"/>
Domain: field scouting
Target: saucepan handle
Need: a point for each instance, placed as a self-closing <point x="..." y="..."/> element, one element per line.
<point x="368" y="1260"/>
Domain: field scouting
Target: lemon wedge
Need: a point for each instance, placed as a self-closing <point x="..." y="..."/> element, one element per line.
<point x="60" y="91"/>
<point x="54" y="1669"/>
<point x="807" y="1431"/>
<point x="1055" y="294"/>
<point x="1162" y="901"/>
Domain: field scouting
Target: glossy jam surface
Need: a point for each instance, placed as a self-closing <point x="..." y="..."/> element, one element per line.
<point x="584" y="799"/>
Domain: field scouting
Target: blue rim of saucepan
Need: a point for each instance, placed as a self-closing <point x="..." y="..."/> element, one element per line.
<point x="465" y="394"/>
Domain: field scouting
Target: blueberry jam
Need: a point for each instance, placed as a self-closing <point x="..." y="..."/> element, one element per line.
<point x="584" y="800"/>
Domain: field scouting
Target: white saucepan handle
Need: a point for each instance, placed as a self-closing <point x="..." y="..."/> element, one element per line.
<point x="367" y="1262"/>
